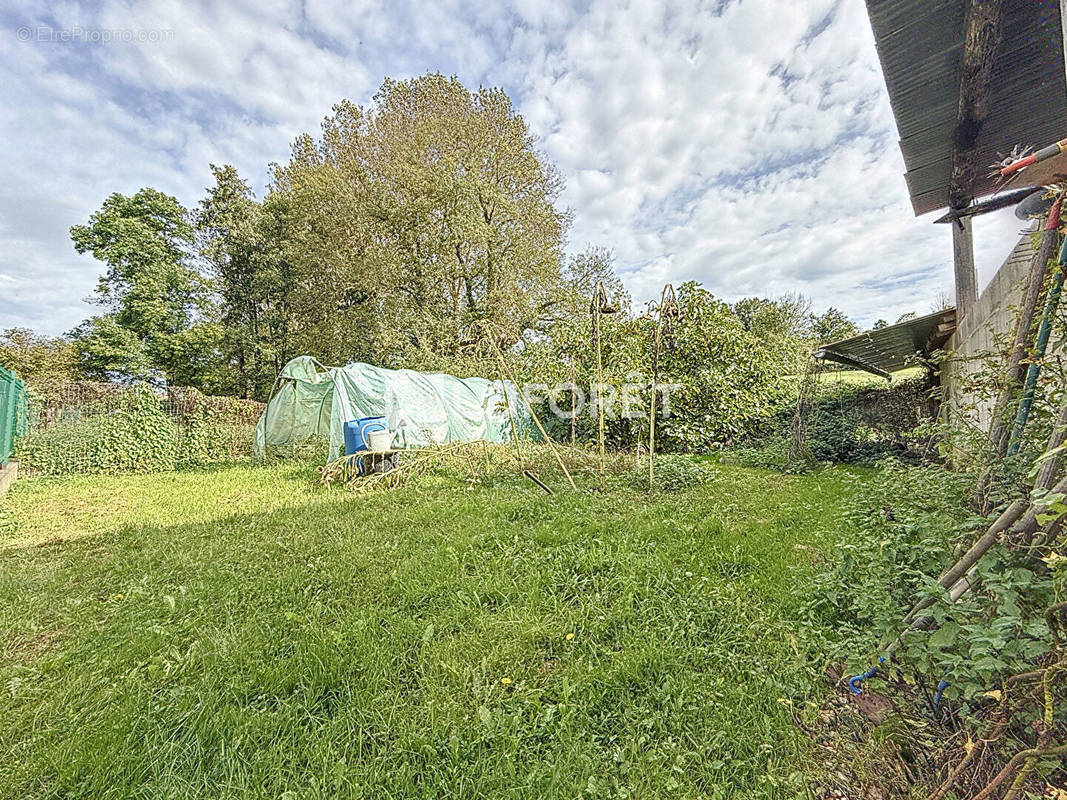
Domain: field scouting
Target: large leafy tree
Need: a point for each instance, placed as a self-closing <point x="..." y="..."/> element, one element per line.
<point x="788" y="316"/>
<point x="155" y="303"/>
<point x="238" y="238"/>
<point x="564" y="351"/>
<point x="412" y="218"/>
<point x="783" y="325"/>
<point x="833" y="326"/>
<point x="37" y="358"/>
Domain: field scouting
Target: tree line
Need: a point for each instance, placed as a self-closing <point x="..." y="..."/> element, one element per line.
<point x="400" y="235"/>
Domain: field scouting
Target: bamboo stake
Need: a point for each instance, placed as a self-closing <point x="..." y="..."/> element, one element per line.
<point x="652" y="407"/>
<point x="533" y="415"/>
<point x="1018" y="521"/>
<point x="599" y="388"/>
<point x="1032" y="372"/>
<point x="958" y="570"/>
<point x="1024" y="326"/>
<point x="1051" y="466"/>
<point x="668" y="305"/>
<point x="1017" y="524"/>
<point x="574" y="404"/>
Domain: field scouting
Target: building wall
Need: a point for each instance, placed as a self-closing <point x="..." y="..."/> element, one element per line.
<point x="984" y="335"/>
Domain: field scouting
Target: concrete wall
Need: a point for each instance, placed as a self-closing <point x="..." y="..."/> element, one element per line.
<point x="984" y="335"/>
<point x="8" y="473"/>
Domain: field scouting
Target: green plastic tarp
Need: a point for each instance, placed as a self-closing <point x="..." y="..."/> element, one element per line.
<point x="420" y="408"/>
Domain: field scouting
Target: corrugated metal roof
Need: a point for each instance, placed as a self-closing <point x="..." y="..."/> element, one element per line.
<point x="895" y="346"/>
<point x="920" y="44"/>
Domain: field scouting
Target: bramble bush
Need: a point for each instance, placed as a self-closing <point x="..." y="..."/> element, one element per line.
<point x="847" y="425"/>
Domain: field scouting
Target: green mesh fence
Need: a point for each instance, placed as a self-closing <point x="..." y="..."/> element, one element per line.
<point x="12" y="412"/>
<point x="90" y="427"/>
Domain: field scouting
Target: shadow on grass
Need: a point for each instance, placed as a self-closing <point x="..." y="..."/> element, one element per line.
<point x="412" y="644"/>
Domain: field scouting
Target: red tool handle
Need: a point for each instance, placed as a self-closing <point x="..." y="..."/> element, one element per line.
<point x="1033" y="158"/>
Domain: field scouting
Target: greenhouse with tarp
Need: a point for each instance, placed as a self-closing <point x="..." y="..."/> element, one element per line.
<point x="311" y="400"/>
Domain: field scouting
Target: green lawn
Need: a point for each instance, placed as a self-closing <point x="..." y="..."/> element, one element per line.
<point x="858" y="379"/>
<point x="241" y="632"/>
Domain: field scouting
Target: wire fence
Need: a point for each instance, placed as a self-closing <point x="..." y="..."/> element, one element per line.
<point x="90" y="427"/>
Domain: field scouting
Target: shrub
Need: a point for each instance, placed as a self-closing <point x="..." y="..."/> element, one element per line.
<point x="727" y="379"/>
<point x="913" y="522"/>
<point x="847" y="424"/>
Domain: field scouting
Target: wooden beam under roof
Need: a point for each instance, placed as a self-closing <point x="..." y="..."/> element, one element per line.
<point x="981" y="38"/>
<point x="921" y="49"/>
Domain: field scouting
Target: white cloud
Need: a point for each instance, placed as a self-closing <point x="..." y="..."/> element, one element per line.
<point x="748" y="145"/>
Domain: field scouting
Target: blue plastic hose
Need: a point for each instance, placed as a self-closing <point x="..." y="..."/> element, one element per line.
<point x="941" y="686"/>
<point x="1041" y="343"/>
<point x="855" y="681"/>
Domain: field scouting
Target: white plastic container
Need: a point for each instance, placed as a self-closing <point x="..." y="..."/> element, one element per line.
<point x="379" y="441"/>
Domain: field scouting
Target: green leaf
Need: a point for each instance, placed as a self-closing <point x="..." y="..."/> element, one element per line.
<point x="945" y="636"/>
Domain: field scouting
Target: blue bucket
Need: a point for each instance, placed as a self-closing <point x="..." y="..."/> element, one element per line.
<point x="356" y="432"/>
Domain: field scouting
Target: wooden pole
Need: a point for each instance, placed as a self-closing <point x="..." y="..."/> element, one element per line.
<point x="668" y="307"/>
<point x="574" y="404"/>
<point x="1050" y="240"/>
<point x="1016" y="526"/>
<point x="1050" y="467"/>
<point x="599" y="389"/>
<point x="992" y="535"/>
<point x="1044" y="331"/>
<point x="963" y="266"/>
<point x="981" y="39"/>
<point x="652" y="405"/>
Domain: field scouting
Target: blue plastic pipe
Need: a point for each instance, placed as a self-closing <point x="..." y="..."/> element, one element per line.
<point x="941" y="686"/>
<point x="1032" y="372"/>
<point x="855" y="681"/>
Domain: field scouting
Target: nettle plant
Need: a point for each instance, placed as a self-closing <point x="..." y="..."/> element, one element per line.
<point x="993" y="633"/>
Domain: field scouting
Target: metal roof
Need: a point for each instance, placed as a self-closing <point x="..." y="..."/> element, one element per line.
<point x="920" y="44"/>
<point x="894" y="347"/>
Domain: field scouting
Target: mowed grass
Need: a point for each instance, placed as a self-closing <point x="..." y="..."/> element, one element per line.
<point x="240" y="632"/>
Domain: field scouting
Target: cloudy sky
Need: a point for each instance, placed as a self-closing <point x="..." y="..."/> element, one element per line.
<point x="747" y="144"/>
